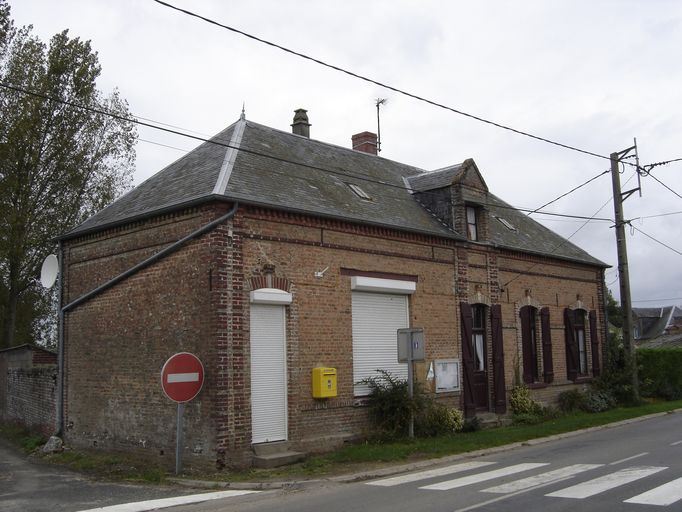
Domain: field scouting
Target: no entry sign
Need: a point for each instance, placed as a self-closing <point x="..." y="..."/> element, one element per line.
<point x="182" y="377"/>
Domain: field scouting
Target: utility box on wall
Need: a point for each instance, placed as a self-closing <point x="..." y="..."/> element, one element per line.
<point x="324" y="382"/>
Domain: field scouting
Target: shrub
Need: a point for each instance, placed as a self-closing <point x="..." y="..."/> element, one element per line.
<point x="472" y="424"/>
<point x="527" y="419"/>
<point x="438" y="419"/>
<point x="521" y="402"/>
<point x="661" y="372"/>
<point x="572" y="400"/>
<point x="599" y="401"/>
<point x="390" y="405"/>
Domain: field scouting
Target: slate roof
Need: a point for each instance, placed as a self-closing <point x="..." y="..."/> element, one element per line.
<point x="282" y="170"/>
<point x="653" y="322"/>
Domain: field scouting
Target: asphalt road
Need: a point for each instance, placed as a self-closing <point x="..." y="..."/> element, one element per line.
<point x="632" y="467"/>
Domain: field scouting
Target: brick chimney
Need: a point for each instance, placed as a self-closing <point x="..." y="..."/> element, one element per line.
<point x="301" y="126"/>
<point x="365" y="142"/>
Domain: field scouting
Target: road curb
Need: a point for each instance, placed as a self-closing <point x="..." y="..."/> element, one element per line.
<point x="404" y="468"/>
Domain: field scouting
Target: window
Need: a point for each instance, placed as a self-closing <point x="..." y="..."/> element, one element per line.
<point x="478" y="337"/>
<point x="529" y="344"/>
<point x="506" y="223"/>
<point x="359" y="192"/>
<point x="579" y="330"/>
<point x="472" y="224"/>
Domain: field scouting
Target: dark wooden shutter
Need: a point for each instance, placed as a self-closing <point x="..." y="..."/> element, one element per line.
<point x="571" y="345"/>
<point x="498" y="360"/>
<point x="547" y="364"/>
<point x="526" y="350"/>
<point x="594" y="338"/>
<point x="467" y="360"/>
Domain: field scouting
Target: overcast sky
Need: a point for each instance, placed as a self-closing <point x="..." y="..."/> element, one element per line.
<point x="593" y="74"/>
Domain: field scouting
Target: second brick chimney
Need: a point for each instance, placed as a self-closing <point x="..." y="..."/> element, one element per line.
<point x="365" y="142"/>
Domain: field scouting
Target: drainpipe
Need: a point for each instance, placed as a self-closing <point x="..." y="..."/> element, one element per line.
<point x="60" y="345"/>
<point x="112" y="282"/>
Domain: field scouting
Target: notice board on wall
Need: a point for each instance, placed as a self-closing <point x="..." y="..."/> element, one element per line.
<point x="447" y="375"/>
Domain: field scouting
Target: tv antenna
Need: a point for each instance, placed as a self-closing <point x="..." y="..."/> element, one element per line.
<point x="379" y="102"/>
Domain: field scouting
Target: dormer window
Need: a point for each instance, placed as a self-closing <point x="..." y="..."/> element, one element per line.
<point x="472" y="223"/>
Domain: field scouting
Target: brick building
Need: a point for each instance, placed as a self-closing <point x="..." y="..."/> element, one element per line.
<point x="302" y="255"/>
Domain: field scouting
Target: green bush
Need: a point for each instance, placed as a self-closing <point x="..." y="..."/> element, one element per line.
<point x="390" y="405"/>
<point x="660" y="372"/>
<point x="521" y="402"/>
<point x="572" y="400"/>
<point x="472" y="424"/>
<point x="616" y="377"/>
<point x="438" y="419"/>
<point x="599" y="401"/>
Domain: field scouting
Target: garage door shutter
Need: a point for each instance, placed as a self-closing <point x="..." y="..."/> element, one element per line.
<point x="376" y="319"/>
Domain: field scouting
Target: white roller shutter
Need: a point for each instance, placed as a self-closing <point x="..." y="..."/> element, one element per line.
<point x="376" y="319"/>
<point x="268" y="373"/>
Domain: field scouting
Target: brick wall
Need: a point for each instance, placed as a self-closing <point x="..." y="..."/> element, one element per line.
<point x="28" y="384"/>
<point x="197" y="300"/>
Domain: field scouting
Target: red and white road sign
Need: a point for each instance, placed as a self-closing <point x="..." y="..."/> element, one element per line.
<point x="182" y="377"/>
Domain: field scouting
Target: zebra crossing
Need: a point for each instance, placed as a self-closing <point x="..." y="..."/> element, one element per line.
<point x="476" y="472"/>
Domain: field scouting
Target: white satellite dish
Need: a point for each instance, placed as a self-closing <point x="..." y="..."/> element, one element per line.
<point x="49" y="271"/>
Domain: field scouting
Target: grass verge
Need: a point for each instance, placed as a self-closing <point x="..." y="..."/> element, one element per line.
<point x="349" y="459"/>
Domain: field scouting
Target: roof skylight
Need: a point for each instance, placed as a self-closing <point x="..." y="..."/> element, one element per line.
<point x="506" y="224"/>
<point x="359" y="192"/>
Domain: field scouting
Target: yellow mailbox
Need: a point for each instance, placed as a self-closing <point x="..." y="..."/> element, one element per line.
<point x="324" y="382"/>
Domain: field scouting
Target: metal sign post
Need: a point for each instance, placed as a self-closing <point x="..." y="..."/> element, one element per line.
<point x="181" y="379"/>
<point x="410" y="349"/>
<point x="179" y="441"/>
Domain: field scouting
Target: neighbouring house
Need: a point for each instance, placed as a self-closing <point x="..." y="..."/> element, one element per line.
<point x="269" y="254"/>
<point x="28" y="387"/>
<point x="657" y="327"/>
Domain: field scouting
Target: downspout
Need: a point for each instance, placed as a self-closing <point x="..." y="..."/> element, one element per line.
<point x="112" y="282"/>
<point x="60" y="345"/>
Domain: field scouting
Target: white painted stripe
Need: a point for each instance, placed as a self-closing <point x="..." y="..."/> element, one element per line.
<point x="431" y="473"/>
<point x="143" y="506"/>
<point x="666" y="494"/>
<point x="183" y="377"/>
<point x="482" y="477"/>
<point x="230" y="157"/>
<point x="629" y="458"/>
<point x="544" y="478"/>
<point x="676" y="443"/>
<point x="607" y="482"/>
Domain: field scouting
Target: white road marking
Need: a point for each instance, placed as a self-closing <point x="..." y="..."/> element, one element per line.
<point x="482" y="477"/>
<point x="431" y="473"/>
<point x="607" y="482"/>
<point x="544" y="478"/>
<point x="666" y="494"/>
<point x="676" y="443"/>
<point x="629" y="458"/>
<point x="183" y="377"/>
<point x="143" y="506"/>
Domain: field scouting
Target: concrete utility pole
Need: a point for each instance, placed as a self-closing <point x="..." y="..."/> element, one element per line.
<point x="623" y="271"/>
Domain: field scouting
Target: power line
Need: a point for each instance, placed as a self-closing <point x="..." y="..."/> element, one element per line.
<point x="657" y="241"/>
<point x="658" y="215"/>
<point x="380" y="84"/>
<point x="657" y="300"/>
<point x="663" y="184"/>
<point x="162" y="145"/>
<point x="570" y="191"/>
<point x="136" y="120"/>
<point x="666" y="162"/>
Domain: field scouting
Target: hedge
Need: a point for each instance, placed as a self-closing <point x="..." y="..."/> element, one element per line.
<point x="660" y="372"/>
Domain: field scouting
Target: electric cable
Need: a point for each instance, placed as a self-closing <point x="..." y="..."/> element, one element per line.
<point x="378" y="83"/>
<point x="656" y="240"/>
<point x="570" y="191"/>
<point x="134" y="119"/>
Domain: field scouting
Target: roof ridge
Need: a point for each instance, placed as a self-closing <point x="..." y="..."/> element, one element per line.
<point x="230" y="157"/>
